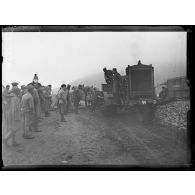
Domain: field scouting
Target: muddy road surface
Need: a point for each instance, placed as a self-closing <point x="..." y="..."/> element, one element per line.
<point x="89" y="138"/>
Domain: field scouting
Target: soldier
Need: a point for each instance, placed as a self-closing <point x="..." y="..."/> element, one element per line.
<point x="47" y="97"/>
<point x="62" y="101"/>
<point x="28" y="111"/>
<point x="116" y="85"/>
<point x="86" y="91"/>
<point x="15" y="88"/>
<point x="50" y="93"/>
<point x="40" y="90"/>
<point x="68" y="105"/>
<point x="14" y="85"/>
<point x="13" y="117"/>
<point x="7" y="90"/>
<point x="93" y="99"/>
<point x="38" y="93"/>
<point x="36" y="106"/>
<point x="108" y="75"/>
<point x="23" y="90"/>
<point x="76" y="98"/>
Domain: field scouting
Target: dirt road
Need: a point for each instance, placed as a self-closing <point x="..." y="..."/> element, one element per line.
<point x="91" y="138"/>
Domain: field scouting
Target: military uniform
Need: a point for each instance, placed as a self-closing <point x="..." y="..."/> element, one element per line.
<point x="28" y="112"/>
<point x="68" y="105"/>
<point x="86" y="91"/>
<point x="50" y="94"/>
<point x="37" y="108"/>
<point x="76" y="99"/>
<point x="12" y="116"/>
<point x="62" y="102"/>
<point x="42" y="100"/>
<point x="108" y="75"/>
<point x="46" y="96"/>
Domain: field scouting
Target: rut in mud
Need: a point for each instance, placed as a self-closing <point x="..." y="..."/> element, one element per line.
<point x="91" y="138"/>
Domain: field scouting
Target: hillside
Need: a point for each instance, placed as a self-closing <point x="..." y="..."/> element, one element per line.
<point x="96" y="80"/>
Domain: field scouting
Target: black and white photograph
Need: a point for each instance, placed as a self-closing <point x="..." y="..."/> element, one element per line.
<point x="95" y="98"/>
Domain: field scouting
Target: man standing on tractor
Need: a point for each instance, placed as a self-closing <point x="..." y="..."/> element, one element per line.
<point x="108" y="75"/>
<point x="116" y="86"/>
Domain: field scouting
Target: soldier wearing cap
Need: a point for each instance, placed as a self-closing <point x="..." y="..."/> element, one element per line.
<point x="50" y="94"/>
<point x="14" y="84"/>
<point x="76" y="98"/>
<point x="47" y="98"/>
<point x="23" y="89"/>
<point x="108" y="75"/>
<point x="13" y="116"/>
<point x="86" y="91"/>
<point x="15" y="88"/>
<point x="28" y="111"/>
<point x="40" y="90"/>
<point x="68" y="105"/>
<point x="36" y="106"/>
<point x="7" y="89"/>
<point x="62" y="101"/>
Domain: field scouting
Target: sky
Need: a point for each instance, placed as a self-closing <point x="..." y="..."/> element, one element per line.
<point x="63" y="57"/>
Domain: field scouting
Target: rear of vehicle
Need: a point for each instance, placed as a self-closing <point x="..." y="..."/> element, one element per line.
<point x="141" y="94"/>
<point x="177" y="88"/>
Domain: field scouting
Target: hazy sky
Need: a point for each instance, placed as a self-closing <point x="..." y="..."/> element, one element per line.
<point x="58" y="57"/>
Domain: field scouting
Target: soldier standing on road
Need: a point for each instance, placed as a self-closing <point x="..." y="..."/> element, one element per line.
<point x="50" y="93"/>
<point x="86" y="91"/>
<point x="28" y="111"/>
<point x="36" y="106"/>
<point x="68" y="105"/>
<point x="62" y="101"/>
<point x="94" y="99"/>
<point x="42" y="99"/>
<point x="76" y="98"/>
<point x="47" y="97"/>
<point x="13" y="116"/>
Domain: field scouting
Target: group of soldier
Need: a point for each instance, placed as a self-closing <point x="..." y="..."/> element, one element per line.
<point x="93" y="97"/>
<point x="68" y="99"/>
<point x="23" y="108"/>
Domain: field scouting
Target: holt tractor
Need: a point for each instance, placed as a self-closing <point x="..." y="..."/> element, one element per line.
<point x="131" y="92"/>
